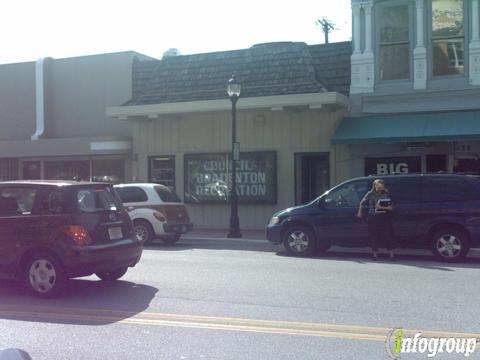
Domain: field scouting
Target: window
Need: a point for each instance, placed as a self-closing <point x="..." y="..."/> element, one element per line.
<point x="131" y="194"/>
<point x="16" y="201"/>
<point x="167" y="195"/>
<point x="49" y="202"/>
<point x="448" y="37"/>
<point x="447" y="189"/>
<point x="162" y="170"/>
<point x="67" y="170"/>
<point x="347" y="195"/>
<point x="108" y="171"/>
<point x="394" y="42"/>
<point x="95" y="199"/>
<point x="404" y="190"/>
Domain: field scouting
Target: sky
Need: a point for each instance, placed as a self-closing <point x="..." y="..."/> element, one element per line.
<point x="31" y="29"/>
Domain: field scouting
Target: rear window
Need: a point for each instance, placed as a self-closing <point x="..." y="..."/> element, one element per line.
<point x="131" y="194"/>
<point x="167" y="195"/>
<point x="97" y="199"/>
<point x="437" y="189"/>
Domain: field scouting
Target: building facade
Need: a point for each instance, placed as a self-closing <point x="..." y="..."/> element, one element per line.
<point x="53" y="122"/>
<point x="414" y="89"/>
<point x="292" y="97"/>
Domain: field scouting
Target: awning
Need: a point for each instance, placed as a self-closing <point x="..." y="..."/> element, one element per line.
<point x="425" y="127"/>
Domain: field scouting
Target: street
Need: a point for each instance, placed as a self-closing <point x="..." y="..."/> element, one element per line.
<point x="237" y="299"/>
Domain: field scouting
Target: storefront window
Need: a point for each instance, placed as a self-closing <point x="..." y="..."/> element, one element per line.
<point x="67" y="170"/>
<point x="448" y="37"/>
<point x="394" y="42"/>
<point x="108" y="171"/>
<point x="208" y="177"/>
<point x="8" y="169"/>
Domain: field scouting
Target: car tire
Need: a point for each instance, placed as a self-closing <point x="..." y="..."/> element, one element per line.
<point x="299" y="240"/>
<point x="170" y="239"/>
<point x="144" y="231"/>
<point x="112" y="275"/>
<point x="450" y="244"/>
<point x="44" y="275"/>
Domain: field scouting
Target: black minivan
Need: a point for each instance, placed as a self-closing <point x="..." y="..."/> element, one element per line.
<point x="54" y="230"/>
<point x="440" y="212"/>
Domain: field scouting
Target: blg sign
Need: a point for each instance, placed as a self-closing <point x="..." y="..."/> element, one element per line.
<point x="393" y="165"/>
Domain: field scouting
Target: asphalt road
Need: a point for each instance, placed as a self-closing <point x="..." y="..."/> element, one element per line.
<point x="247" y="300"/>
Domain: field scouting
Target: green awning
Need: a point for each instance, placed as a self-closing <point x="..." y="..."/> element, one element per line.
<point x="426" y="127"/>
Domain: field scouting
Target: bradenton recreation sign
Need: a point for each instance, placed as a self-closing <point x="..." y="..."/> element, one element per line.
<point x="208" y="177"/>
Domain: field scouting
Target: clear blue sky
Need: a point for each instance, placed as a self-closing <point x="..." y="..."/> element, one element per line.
<point x="62" y="28"/>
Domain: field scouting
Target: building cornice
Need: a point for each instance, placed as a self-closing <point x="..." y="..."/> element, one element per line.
<point x="152" y="111"/>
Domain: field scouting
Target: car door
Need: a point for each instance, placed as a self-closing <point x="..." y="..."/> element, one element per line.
<point x="15" y="223"/>
<point x="336" y="220"/>
<point x="405" y="192"/>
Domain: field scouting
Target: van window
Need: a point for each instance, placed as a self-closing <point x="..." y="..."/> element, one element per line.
<point x="131" y="194"/>
<point x="404" y="190"/>
<point x="437" y="189"/>
<point x="97" y="199"/>
<point x="347" y="195"/>
<point x="167" y="195"/>
<point x="17" y="201"/>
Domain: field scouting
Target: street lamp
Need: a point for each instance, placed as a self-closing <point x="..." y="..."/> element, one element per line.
<point x="233" y="91"/>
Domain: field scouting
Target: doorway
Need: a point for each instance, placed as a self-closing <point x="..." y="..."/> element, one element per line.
<point x="312" y="176"/>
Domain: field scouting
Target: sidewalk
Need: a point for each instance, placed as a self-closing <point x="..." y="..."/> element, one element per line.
<point x="221" y="234"/>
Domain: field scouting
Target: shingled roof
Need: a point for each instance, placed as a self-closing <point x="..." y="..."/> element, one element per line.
<point x="263" y="70"/>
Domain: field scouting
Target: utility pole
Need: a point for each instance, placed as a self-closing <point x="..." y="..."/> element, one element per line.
<point x="327" y="26"/>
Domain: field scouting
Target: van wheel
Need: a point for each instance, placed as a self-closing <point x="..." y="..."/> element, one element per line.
<point x="44" y="275"/>
<point x="112" y="275"/>
<point x="170" y="239"/>
<point x="144" y="231"/>
<point x="299" y="240"/>
<point x="450" y="244"/>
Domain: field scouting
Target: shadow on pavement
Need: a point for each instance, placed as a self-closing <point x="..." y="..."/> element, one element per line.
<point x="84" y="302"/>
<point x="415" y="260"/>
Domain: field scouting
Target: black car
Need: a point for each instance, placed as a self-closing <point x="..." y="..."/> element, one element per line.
<point x="440" y="212"/>
<point x="54" y="230"/>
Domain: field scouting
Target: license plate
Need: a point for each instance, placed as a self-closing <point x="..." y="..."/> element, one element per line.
<point x="115" y="233"/>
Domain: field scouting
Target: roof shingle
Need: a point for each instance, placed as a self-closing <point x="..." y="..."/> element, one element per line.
<point x="263" y="70"/>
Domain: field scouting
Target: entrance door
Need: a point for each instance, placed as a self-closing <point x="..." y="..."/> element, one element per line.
<point x="312" y="176"/>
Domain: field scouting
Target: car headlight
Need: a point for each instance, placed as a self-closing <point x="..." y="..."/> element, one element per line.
<point x="274" y="220"/>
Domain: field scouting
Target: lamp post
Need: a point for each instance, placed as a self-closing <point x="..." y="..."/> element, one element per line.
<point x="233" y="91"/>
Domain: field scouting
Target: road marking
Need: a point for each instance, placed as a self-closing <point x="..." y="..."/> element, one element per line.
<point x="105" y="316"/>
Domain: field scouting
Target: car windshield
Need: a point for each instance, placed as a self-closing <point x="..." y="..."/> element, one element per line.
<point x="97" y="199"/>
<point x="167" y="195"/>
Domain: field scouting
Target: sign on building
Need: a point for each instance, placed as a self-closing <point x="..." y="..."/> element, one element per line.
<point x="393" y="165"/>
<point x="208" y="177"/>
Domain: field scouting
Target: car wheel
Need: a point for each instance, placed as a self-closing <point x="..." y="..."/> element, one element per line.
<point x="143" y="231"/>
<point x="112" y="275"/>
<point x="450" y="245"/>
<point x="299" y="240"/>
<point x="44" y="275"/>
<point x="171" y="239"/>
